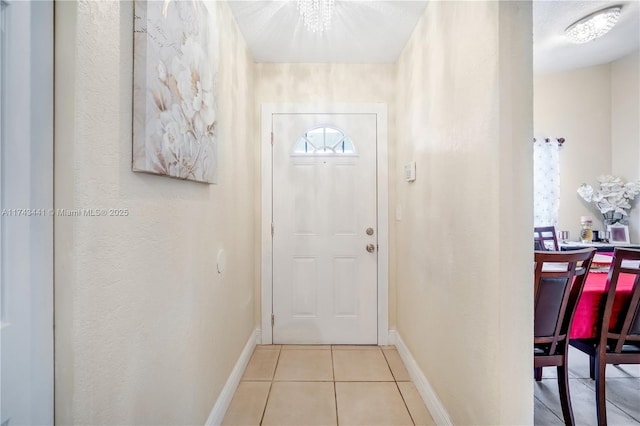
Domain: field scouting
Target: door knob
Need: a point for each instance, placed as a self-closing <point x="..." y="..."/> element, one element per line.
<point x="371" y="248"/>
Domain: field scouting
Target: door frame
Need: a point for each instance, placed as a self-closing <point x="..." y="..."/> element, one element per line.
<point x="382" y="176"/>
<point x="26" y="231"/>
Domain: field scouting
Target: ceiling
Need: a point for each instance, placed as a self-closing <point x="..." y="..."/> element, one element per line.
<point x="552" y="51"/>
<point x="369" y="31"/>
<point x="375" y="31"/>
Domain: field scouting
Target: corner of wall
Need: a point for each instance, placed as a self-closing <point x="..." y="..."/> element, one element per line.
<point x="65" y="40"/>
<point x="226" y="394"/>
<point x="625" y="128"/>
<point x="429" y="397"/>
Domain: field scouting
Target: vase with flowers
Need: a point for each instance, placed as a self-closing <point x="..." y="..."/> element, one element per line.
<point x="613" y="199"/>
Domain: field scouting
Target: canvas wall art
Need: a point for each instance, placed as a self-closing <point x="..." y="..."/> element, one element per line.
<point x="174" y="94"/>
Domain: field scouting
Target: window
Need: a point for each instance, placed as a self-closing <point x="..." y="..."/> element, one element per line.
<point x="546" y="181"/>
<point x="324" y="140"/>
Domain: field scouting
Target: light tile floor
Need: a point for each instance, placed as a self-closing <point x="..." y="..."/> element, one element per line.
<point x="622" y="391"/>
<point x="326" y="385"/>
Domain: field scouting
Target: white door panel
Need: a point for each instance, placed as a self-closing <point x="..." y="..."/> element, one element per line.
<point x="324" y="279"/>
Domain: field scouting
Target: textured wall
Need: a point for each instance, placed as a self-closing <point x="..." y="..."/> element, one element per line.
<point x="340" y="83"/>
<point x="147" y="331"/>
<point x="576" y="105"/>
<point x="465" y="307"/>
<point x="625" y="127"/>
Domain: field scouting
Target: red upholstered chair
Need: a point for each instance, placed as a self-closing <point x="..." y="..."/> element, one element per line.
<point x="544" y="238"/>
<point x="617" y="342"/>
<point x="558" y="281"/>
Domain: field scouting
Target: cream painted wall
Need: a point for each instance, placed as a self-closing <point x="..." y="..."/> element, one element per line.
<point x="596" y="109"/>
<point x="625" y="127"/>
<point x="576" y="105"/>
<point x="318" y="83"/>
<point x="147" y="331"/>
<point x="465" y="305"/>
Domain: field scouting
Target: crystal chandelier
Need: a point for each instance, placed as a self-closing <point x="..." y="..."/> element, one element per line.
<point x="593" y="26"/>
<point x="316" y="14"/>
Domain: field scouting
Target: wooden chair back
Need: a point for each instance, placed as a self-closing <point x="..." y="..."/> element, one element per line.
<point x="558" y="282"/>
<point x="626" y="328"/>
<point x="618" y="339"/>
<point x="545" y="238"/>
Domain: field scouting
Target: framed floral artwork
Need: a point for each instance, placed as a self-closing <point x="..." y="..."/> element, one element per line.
<point x="174" y="89"/>
<point x="619" y="233"/>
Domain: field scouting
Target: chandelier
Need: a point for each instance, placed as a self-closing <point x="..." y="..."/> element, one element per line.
<point x="593" y="26"/>
<point x="316" y="14"/>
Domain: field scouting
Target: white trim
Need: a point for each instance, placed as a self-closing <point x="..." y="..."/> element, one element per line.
<point x="392" y="336"/>
<point x="266" y="306"/>
<point x="268" y="109"/>
<point x="430" y="398"/>
<point x="226" y="394"/>
<point x="26" y="146"/>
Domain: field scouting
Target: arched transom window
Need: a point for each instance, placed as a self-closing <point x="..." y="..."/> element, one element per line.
<point x="324" y="140"/>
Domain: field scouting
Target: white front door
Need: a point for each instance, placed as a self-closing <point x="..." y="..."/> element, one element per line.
<point x="325" y="228"/>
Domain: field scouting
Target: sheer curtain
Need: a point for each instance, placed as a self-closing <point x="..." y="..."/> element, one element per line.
<point x="546" y="181"/>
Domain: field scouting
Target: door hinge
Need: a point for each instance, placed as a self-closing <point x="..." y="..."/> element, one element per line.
<point x="273" y="320"/>
<point x="272" y="229"/>
<point x="271" y="138"/>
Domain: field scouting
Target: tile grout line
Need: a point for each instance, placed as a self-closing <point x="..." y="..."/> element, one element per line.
<point x="264" y="410"/>
<point x="581" y="381"/>
<point x="335" y="391"/>
<point x="398" y="387"/>
<point x="614" y="402"/>
<point x="389" y="365"/>
<point x="405" y="403"/>
<point x="549" y="408"/>
<point x="608" y="400"/>
<point x="559" y="415"/>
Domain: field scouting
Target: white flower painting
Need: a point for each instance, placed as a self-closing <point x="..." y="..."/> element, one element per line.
<point x="175" y="72"/>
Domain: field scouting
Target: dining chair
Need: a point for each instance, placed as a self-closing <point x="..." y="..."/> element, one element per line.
<point x="545" y="238"/>
<point x="558" y="281"/>
<point x="618" y="338"/>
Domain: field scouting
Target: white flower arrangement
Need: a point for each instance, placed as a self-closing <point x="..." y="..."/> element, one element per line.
<point x="614" y="197"/>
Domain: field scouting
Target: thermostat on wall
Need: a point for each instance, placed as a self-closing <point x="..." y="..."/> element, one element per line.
<point x="410" y="172"/>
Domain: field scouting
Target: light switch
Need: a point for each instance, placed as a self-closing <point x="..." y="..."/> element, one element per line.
<point x="410" y="172"/>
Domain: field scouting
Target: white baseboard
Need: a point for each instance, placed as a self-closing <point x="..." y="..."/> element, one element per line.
<point x="226" y="395"/>
<point x="392" y="336"/>
<point x="435" y="407"/>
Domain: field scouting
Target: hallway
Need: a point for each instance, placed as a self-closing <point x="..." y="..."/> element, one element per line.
<point x="182" y="275"/>
<point x="347" y="385"/>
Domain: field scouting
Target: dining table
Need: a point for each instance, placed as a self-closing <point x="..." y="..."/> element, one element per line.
<point x="591" y="303"/>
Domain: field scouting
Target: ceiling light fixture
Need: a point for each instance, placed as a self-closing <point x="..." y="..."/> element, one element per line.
<point x="593" y="26"/>
<point x="316" y="14"/>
